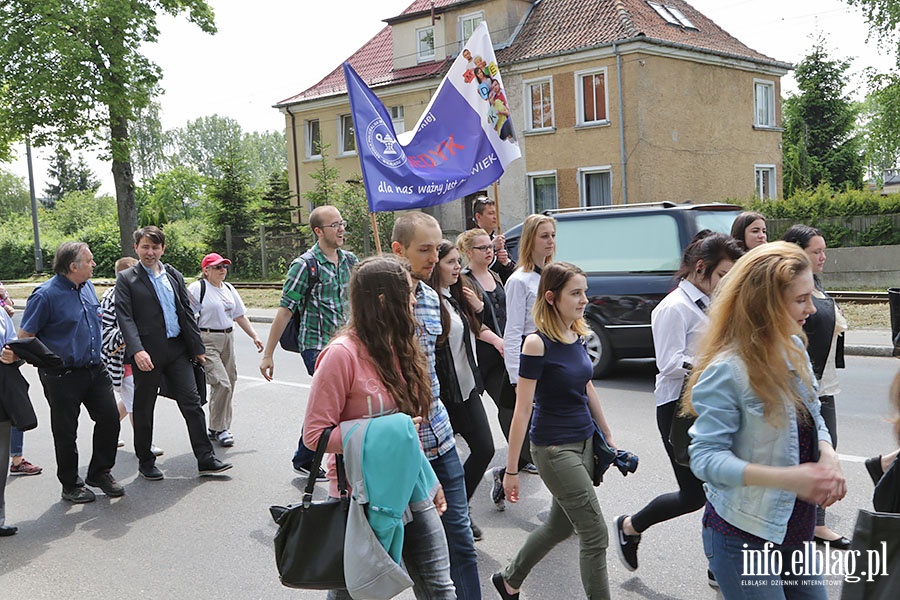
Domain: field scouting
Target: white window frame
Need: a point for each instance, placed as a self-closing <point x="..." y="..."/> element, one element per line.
<point x="311" y="152"/>
<point x="529" y="109"/>
<point x="535" y="175"/>
<point x="579" y="97"/>
<point x="398" y="118"/>
<point x="461" y="25"/>
<point x="769" y="85"/>
<point x="341" y="141"/>
<point x="671" y="15"/>
<point x="424" y="57"/>
<point x="769" y="172"/>
<point x="582" y="188"/>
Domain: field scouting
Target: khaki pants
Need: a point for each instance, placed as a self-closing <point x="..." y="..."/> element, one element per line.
<point x="221" y="375"/>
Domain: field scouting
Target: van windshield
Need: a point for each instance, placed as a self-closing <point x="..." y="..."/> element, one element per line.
<point x="640" y="243"/>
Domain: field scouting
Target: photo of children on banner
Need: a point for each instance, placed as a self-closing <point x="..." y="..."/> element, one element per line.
<point x="491" y="90"/>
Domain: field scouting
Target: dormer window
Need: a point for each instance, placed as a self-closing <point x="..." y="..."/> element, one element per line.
<point x="425" y="44"/>
<point x="672" y="15"/>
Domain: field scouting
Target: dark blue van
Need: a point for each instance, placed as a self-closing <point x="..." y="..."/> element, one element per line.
<point x="630" y="255"/>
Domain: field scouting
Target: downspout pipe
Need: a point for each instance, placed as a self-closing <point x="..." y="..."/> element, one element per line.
<point x="621" y="123"/>
<point x="296" y="162"/>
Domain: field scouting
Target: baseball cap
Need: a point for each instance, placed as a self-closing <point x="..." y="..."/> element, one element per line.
<point x="213" y="259"/>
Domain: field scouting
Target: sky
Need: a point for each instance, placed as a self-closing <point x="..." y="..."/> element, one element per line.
<point x="269" y="50"/>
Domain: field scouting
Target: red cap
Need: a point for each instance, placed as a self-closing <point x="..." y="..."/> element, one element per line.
<point x="213" y="259"/>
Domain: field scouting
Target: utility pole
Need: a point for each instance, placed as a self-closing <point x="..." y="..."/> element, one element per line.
<point x="38" y="257"/>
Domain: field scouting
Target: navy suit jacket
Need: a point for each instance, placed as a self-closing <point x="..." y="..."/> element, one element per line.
<point x="140" y="315"/>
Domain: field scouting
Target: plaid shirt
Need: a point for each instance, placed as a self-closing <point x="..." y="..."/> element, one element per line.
<point x="436" y="434"/>
<point x="324" y="310"/>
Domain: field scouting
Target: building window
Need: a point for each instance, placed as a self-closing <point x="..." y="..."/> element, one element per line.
<point x="467" y="24"/>
<point x="425" y="44"/>
<point x="763" y="103"/>
<point x="313" y="140"/>
<point x="672" y="15"/>
<point x="765" y="182"/>
<point x="595" y="186"/>
<point x="346" y="137"/>
<point x="397" y="118"/>
<point x="539" y="104"/>
<point x="590" y="97"/>
<point x="542" y="188"/>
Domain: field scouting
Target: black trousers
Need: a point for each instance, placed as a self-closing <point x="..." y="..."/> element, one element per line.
<point x="172" y="362"/>
<point x="469" y="420"/>
<point x="66" y="390"/>
<point x="503" y="393"/>
<point x="830" y="416"/>
<point x="690" y="495"/>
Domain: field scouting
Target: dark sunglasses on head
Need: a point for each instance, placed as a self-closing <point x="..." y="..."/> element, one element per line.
<point x="483" y="200"/>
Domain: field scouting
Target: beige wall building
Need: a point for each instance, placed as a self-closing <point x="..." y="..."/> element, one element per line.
<point x="613" y="102"/>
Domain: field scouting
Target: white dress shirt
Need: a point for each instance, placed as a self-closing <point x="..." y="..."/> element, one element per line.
<point x="677" y="324"/>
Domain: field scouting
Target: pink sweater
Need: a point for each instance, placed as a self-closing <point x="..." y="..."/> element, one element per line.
<point x="345" y="387"/>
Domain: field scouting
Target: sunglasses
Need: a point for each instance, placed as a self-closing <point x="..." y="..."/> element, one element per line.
<point x="218" y="267"/>
<point x="479" y="201"/>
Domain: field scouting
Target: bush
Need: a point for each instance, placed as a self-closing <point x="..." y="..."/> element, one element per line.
<point x="184" y="245"/>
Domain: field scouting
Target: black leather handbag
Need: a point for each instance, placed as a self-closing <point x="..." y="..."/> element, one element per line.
<point x="876" y="543"/>
<point x="309" y="545"/>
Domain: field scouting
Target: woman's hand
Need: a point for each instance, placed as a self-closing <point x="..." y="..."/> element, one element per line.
<point x="817" y="483"/>
<point x="473" y="299"/>
<point x="258" y="343"/>
<point x="7" y="356"/>
<point x="511" y="487"/>
<point x="440" y="502"/>
<point x="417" y="421"/>
<point x="498" y="345"/>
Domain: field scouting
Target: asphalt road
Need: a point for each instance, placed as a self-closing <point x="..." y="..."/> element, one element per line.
<point x="190" y="537"/>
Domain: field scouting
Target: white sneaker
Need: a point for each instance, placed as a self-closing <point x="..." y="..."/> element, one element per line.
<point x="156" y="450"/>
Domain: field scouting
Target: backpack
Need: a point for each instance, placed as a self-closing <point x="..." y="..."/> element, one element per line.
<point x="290" y="337"/>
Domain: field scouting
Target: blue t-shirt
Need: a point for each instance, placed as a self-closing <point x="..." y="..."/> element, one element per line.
<point x="561" y="413"/>
<point x="66" y="318"/>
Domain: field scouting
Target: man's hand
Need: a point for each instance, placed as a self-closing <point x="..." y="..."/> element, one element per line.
<point x="201" y="358"/>
<point x="440" y="502"/>
<point x="142" y="361"/>
<point x="7" y="356"/>
<point x="267" y="367"/>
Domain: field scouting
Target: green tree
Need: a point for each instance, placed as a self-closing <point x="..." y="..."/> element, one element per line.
<point x="172" y="195"/>
<point x="73" y="72"/>
<point x="69" y="176"/>
<point x="325" y="190"/>
<point x="880" y="124"/>
<point x="819" y="141"/>
<point x="202" y="141"/>
<point x="883" y="18"/>
<point x="149" y="142"/>
<point x="355" y="210"/>
<point x="230" y="196"/>
<point x="14" y="195"/>
<point x="275" y="208"/>
<point x="266" y="154"/>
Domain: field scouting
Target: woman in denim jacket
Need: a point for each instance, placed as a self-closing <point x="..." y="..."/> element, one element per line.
<point x="759" y="441"/>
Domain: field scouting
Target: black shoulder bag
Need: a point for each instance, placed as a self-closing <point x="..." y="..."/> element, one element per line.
<point x="309" y="545"/>
<point x="290" y="337"/>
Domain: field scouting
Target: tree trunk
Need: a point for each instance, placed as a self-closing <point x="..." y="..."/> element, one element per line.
<point x="123" y="176"/>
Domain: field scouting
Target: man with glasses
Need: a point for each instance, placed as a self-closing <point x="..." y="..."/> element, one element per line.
<point x="484" y="212"/>
<point x="322" y="304"/>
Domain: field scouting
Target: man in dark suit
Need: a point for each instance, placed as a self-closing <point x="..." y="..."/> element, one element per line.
<point x="161" y="338"/>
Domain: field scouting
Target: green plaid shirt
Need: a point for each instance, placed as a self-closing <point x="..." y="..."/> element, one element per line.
<point x="324" y="309"/>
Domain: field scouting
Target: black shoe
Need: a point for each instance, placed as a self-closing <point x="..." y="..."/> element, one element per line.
<point x="107" y="483"/>
<point x="497" y="580"/>
<point x="711" y="579"/>
<point x="7" y="530"/>
<point x="78" y="495"/>
<point x="628" y="545"/>
<point x="841" y="543"/>
<point x="213" y="466"/>
<point x="151" y="473"/>
<point x="873" y="466"/>
<point x="304" y="472"/>
<point x="477" y="534"/>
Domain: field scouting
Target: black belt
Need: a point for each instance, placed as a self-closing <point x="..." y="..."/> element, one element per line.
<point x="229" y="330"/>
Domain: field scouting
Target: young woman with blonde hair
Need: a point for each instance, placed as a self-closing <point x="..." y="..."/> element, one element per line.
<point x="555" y="386"/>
<point x="759" y="441"/>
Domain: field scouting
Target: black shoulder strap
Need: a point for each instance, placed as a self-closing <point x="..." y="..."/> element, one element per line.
<point x="312" y="268"/>
<point x="202" y="291"/>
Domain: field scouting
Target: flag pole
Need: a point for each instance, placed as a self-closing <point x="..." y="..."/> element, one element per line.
<point x="375" y="231"/>
<point x="497" y="206"/>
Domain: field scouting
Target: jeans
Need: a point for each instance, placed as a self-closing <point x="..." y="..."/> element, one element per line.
<point x="565" y="470"/>
<point x="66" y="390"/>
<point x="689" y="497"/>
<point x="463" y="560"/>
<point x="727" y="562"/>
<point x="426" y="558"/>
<point x="303" y="457"/>
<point x="16" y="441"/>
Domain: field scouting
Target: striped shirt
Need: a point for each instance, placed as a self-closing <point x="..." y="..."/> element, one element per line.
<point x="324" y="308"/>
<point x="436" y="434"/>
<point x="112" y="348"/>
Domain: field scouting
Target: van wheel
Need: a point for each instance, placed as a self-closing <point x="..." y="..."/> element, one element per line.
<point x="599" y="351"/>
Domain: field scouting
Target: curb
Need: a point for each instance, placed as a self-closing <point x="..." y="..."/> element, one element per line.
<point x="884" y="351"/>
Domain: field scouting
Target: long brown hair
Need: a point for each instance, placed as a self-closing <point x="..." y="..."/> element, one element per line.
<point x="750" y="318"/>
<point x="456" y="292"/>
<point x="381" y="319"/>
<point x="554" y="278"/>
<point x="529" y="235"/>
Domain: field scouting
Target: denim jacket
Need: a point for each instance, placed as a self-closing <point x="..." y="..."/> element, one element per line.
<point x="730" y="432"/>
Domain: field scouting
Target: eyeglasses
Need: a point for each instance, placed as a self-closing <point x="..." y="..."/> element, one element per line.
<point x="483" y="248"/>
<point x="337" y="225"/>
<point x="218" y="267"/>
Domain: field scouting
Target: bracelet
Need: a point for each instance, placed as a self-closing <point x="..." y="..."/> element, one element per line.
<point x="512" y="474"/>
